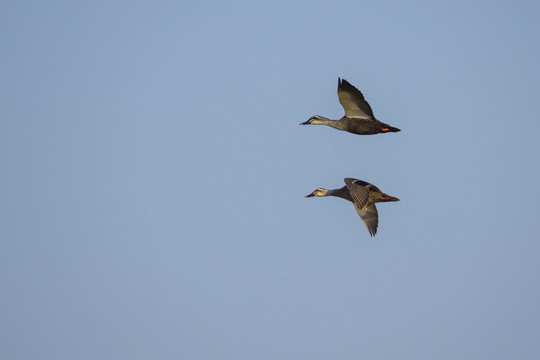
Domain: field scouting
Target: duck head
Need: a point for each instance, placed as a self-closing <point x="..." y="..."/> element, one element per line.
<point x="318" y="192"/>
<point x="314" y="120"/>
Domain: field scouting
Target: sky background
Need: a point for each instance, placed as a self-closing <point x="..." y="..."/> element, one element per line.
<point x="153" y="176"/>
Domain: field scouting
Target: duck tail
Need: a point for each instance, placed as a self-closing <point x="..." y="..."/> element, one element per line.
<point x="389" y="129"/>
<point x="386" y="198"/>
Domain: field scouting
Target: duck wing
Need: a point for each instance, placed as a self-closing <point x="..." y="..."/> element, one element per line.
<point x="372" y="187"/>
<point x="359" y="191"/>
<point x="370" y="217"/>
<point x="353" y="101"/>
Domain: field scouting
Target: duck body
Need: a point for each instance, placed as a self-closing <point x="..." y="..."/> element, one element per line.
<point x="357" y="126"/>
<point x="364" y="196"/>
<point x="358" y="119"/>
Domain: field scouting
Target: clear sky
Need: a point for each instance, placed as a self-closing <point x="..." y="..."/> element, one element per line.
<point x="153" y="176"/>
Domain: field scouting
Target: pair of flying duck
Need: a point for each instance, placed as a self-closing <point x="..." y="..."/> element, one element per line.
<point x="358" y="119"/>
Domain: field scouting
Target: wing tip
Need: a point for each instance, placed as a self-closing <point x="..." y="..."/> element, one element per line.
<point x="373" y="230"/>
<point x="342" y="82"/>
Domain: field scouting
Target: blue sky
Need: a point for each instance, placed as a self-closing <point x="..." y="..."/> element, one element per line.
<point x="154" y="174"/>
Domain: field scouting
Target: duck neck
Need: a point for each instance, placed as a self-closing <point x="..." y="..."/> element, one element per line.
<point x="342" y="193"/>
<point x="322" y="121"/>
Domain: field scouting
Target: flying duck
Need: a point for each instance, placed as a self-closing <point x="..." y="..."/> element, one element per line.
<point x="358" y="119"/>
<point x="364" y="196"/>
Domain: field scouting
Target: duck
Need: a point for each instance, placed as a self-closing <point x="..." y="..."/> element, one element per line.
<point x="364" y="196"/>
<point x="358" y="119"/>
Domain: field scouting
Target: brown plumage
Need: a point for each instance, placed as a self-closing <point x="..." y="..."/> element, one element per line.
<point x="364" y="196"/>
<point x="358" y="119"/>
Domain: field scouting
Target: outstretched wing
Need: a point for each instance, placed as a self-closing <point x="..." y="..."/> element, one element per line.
<point x="353" y="101"/>
<point x="370" y="217"/>
<point x="359" y="192"/>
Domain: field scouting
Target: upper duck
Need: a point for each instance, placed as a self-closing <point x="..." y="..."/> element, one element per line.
<point x="358" y="119"/>
<point x="364" y="196"/>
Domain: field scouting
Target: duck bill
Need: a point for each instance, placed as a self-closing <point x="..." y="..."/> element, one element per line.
<point x="310" y="195"/>
<point x="305" y="123"/>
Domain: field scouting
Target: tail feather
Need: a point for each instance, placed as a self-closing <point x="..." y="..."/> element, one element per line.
<point x="391" y="129"/>
<point x="386" y="198"/>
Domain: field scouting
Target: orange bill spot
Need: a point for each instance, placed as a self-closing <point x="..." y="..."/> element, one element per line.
<point x="385" y="129"/>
